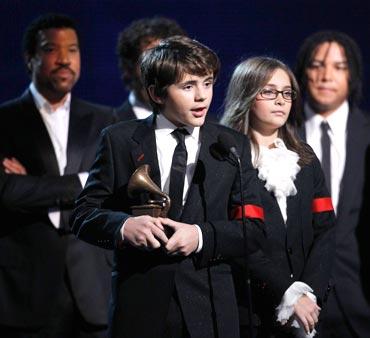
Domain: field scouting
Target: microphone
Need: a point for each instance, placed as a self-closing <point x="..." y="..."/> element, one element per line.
<point x="227" y="145"/>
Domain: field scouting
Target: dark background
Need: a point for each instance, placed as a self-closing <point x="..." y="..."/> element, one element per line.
<point x="235" y="29"/>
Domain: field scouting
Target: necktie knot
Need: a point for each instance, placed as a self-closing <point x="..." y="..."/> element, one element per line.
<point x="325" y="126"/>
<point x="180" y="134"/>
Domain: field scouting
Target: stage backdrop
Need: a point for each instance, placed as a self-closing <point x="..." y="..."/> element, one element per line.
<point x="235" y="29"/>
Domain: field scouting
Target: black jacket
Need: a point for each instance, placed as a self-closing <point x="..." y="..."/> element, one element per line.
<point x="144" y="282"/>
<point x="33" y="254"/>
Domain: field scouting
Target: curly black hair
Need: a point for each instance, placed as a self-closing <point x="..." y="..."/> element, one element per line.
<point x="136" y="36"/>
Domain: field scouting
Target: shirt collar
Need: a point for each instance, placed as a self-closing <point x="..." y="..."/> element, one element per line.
<point x="337" y="120"/>
<point x="166" y="127"/>
<point x="43" y="104"/>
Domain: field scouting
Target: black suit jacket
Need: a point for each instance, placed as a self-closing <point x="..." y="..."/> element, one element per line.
<point x="300" y="250"/>
<point x="143" y="282"/>
<point x="125" y="112"/>
<point x="33" y="254"/>
<point x="351" y="273"/>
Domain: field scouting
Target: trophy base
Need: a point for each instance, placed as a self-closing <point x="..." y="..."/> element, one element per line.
<point x="147" y="209"/>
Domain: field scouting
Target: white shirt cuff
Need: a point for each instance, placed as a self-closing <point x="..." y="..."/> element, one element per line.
<point x="200" y="239"/>
<point x="54" y="217"/>
<point x="123" y="228"/>
<point x="286" y="307"/>
<point x="83" y="178"/>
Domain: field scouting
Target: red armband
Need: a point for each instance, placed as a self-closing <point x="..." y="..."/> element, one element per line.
<point x="250" y="210"/>
<point x="322" y="204"/>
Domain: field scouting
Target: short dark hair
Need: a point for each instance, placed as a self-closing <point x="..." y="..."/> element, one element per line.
<point x="174" y="57"/>
<point x="136" y="36"/>
<point x="43" y="22"/>
<point x="352" y="52"/>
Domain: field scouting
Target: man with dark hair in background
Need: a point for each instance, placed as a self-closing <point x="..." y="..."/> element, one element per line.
<point x="139" y="36"/>
<point x="329" y="69"/>
<point x="51" y="284"/>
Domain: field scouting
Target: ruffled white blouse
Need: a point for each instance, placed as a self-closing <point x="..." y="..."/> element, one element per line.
<point x="278" y="167"/>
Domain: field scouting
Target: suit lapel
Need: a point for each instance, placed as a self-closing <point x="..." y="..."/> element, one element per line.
<point x="197" y="194"/>
<point x="35" y="128"/>
<point x="80" y="125"/>
<point x="145" y="151"/>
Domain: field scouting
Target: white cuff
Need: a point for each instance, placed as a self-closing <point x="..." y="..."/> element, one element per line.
<point x="123" y="228"/>
<point x="200" y="239"/>
<point x="286" y="307"/>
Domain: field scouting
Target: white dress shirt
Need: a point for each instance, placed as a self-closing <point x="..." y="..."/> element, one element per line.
<point x="141" y="111"/>
<point x="166" y="144"/>
<point x="57" y="124"/>
<point x="338" y="136"/>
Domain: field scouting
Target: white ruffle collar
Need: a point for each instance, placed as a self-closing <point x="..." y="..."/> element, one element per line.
<point x="279" y="167"/>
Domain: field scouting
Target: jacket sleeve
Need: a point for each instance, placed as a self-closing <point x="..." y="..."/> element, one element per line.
<point x="321" y="255"/>
<point x="26" y="193"/>
<point x="94" y="220"/>
<point x="225" y="239"/>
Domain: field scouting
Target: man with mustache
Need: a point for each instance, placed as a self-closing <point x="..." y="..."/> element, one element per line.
<point x="329" y="69"/>
<point x="51" y="284"/>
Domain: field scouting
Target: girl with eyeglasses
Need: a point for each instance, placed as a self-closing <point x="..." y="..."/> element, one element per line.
<point x="290" y="275"/>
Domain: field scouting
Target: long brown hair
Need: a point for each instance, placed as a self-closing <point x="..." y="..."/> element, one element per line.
<point x="248" y="79"/>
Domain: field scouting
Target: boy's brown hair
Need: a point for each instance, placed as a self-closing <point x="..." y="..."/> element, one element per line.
<point x="174" y="57"/>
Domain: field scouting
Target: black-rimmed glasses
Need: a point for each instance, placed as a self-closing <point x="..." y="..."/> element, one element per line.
<point x="272" y="94"/>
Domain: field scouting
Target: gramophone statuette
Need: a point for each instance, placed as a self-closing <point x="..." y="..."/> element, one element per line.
<point x="140" y="182"/>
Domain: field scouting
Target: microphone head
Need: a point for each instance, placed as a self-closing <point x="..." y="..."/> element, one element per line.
<point x="227" y="145"/>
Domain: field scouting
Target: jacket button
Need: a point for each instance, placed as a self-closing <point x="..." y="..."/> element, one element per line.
<point x="290" y="251"/>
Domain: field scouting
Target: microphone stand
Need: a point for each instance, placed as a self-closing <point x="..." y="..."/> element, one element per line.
<point x="247" y="277"/>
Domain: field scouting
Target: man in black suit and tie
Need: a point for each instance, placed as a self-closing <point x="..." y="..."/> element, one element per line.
<point x="139" y="36"/>
<point x="329" y="69"/>
<point x="51" y="284"/>
<point x="177" y="285"/>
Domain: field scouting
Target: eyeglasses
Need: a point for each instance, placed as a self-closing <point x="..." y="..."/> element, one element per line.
<point x="272" y="94"/>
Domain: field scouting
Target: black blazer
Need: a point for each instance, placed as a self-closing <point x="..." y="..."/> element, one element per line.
<point x="143" y="282"/>
<point x="300" y="250"/>
<point x="125" y="112"/>
<point x="350" y="273"/>
<point x="33" y="254"/>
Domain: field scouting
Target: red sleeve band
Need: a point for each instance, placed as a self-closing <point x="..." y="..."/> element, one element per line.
<point x="322" y="204"/>
<point x="250" y="210"/>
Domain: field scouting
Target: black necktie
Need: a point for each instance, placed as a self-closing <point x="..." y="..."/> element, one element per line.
<point x="325" y="159"/>
<point x="177" y="174"/>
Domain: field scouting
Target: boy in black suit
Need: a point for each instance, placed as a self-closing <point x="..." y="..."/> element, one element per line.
<point x="179" y="285"/>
